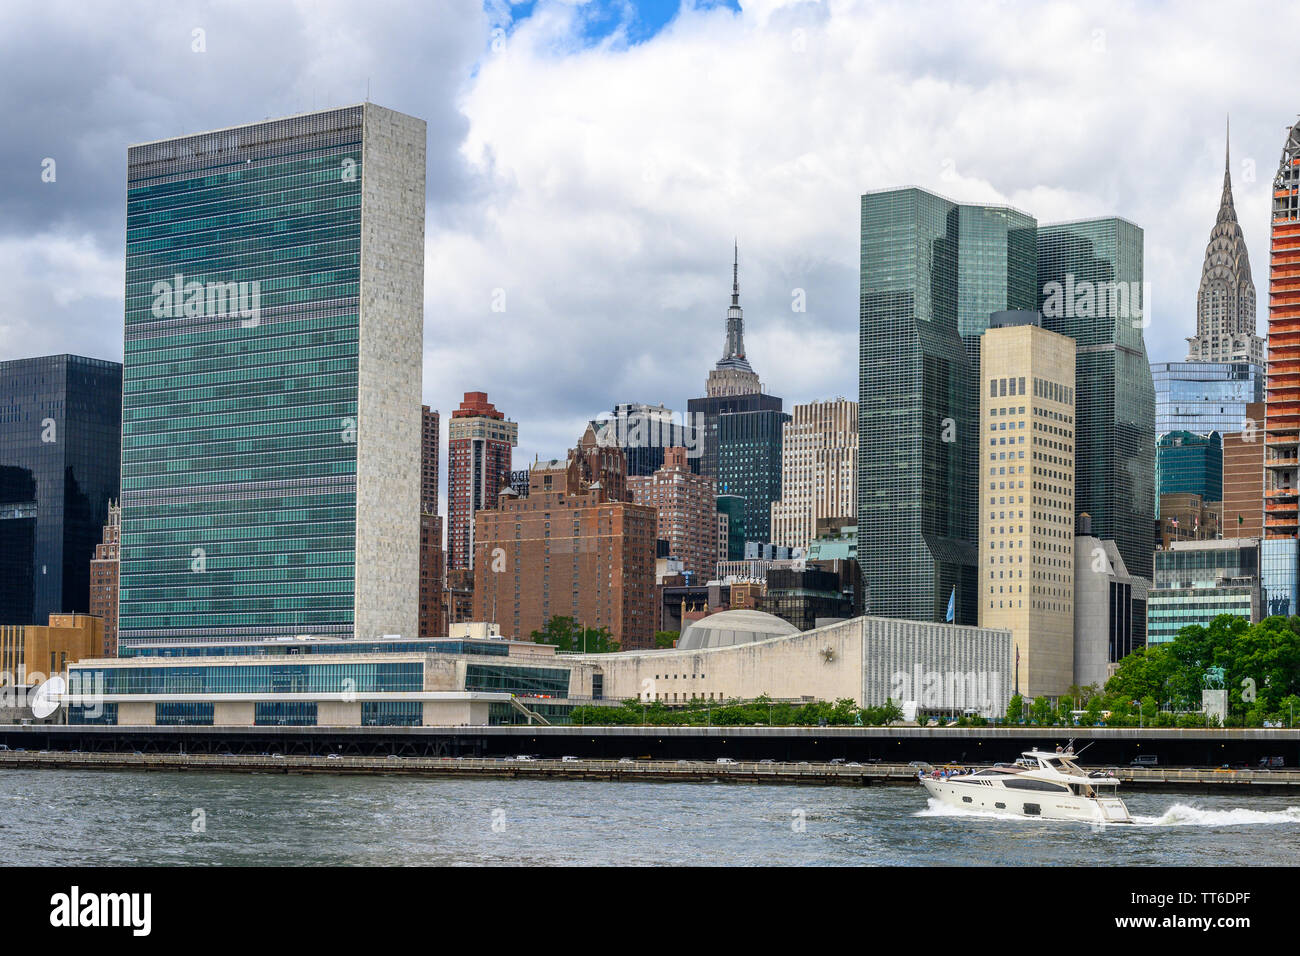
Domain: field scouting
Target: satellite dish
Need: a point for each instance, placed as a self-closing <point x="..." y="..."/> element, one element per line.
<point x="46" y="698"/>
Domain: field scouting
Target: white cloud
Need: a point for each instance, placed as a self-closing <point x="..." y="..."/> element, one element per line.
<point x="616" y="177"/>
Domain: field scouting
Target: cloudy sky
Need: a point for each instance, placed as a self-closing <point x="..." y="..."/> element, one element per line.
<point x="595" y="160"/>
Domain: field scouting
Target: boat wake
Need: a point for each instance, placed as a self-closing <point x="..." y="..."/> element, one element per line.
<point x="1181" y="815"/>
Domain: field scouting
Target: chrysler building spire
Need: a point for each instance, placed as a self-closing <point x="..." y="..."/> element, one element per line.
<point x="1225" y="302"/>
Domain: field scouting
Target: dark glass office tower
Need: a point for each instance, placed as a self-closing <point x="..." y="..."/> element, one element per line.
<point x="932" y="271"/>
<point x="997" y="250"/>
<point x="271" y="453"/>
<point x="60" y="451"/>
<point x="749" y="465"/>
<point x="1090" y="287"/>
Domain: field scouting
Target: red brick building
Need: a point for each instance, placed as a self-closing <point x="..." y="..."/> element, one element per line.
<point x="103" y="579"/>
<point x="686" y="509"/>
<point x="572" y="548"/>
<point x="479" y="439"/>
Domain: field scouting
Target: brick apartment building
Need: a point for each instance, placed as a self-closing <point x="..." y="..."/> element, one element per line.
<point x="574" y="547"/>
<point x="103" y="579"/>
<point x="688" y="518"/>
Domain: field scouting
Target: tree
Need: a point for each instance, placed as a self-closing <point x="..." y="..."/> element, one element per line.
<point x="569" y="638"/>
<point x="666" y="639"/>
<point x="1041" y="711"/>
<point x="1015" y="709"/>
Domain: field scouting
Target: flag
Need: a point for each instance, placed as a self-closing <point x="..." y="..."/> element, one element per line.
<point x="1239" y="519"/>
<point x="951" y="617"/>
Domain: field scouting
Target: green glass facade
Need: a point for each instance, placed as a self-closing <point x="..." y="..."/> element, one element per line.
<point x="245" y="369"/>
<point x="932" y="271"/>
<point x="1191" y="464"/>
<point x="1090" y="278"/>
<point x="1194" y="585"/>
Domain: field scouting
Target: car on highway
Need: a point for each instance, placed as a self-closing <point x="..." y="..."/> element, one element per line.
<point x="766" y="760"/>
<point x="333" y="757"/>
<point x="726" y="761"/>
<point x="568" y="759"/>
<point x="625" y="760"/>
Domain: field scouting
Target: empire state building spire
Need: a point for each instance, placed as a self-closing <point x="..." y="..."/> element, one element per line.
<point x="733" y="374"/>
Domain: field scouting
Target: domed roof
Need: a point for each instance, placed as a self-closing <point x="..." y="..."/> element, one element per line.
<point x="733" y="627"/>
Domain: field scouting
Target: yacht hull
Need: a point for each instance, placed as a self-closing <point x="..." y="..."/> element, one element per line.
<point x="1032" y="804"/>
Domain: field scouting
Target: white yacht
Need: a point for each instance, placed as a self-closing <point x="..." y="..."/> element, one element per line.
<point x="1050" y="786"/>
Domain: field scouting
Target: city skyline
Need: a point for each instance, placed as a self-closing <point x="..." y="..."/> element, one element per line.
<point x="779" y="195"/>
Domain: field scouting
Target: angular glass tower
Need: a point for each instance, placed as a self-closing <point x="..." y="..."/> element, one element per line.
<point x="1205" y="397"/>
<point x="60" y="444"/>
<point x="271" y="416"/>
<point x="1090" y="287"/>
<point x="932" y="271"/>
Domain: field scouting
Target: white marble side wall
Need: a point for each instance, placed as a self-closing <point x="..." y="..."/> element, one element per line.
<point x="389" y="374"/>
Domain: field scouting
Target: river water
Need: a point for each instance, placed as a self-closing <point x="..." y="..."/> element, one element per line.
<point x="143" y="818"/>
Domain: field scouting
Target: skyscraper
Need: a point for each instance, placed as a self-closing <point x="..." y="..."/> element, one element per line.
<point x="749" y="464"/>
<point x="479" y="439"/>
<point x="60" y="447"/>
<point x="644" y="432"/>
<point x="1225" y="302"/>
<point x="1279" y="562"/>
<point x="271" y="420"/>
<point x="819" y="471"/>
<point x="1026" y="493"/>
<point x="932" y="271"/>
<point x="1090" y="283"/>
<point x="1188" y="463"/>
<point x="732" y="386"/>
<point x="1205" y="397"/>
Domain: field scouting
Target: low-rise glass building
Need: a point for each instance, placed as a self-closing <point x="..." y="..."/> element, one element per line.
<point x="1196" y="581"/>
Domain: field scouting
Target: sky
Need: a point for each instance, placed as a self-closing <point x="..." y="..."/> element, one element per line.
<point x="590" y="164"/>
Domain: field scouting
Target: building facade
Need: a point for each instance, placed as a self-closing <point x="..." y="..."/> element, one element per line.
<point x="1090" y="275"/>
<point x="749" y="464"/>
<point x="1282" y="400"/>
<point x="1188" y="463"/>
<point x="1243" y="477"/>
<point x="479" y="440"/>
<point x="1187" y="517"/>
<point x="732" y="387"/>
<point x="60" y="449"/>
<point x="686" y="506"/>
<point x="1204" y="397"/>
<point x="104" y="579"/>
<point x="932" y="272"/>
<point x="433" y="565"/>
<point x="1196" y="581"/>
<point x="1106" y="596"/>
<point x="645" y="432"/>
<point x="271" y="424"/>
<point x="1225" y="301"/>
<point x="819" y="470"/>
<point x="32" y="653"/>
<point x="1026" y="477"/>
<point x="570" y="549"/>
